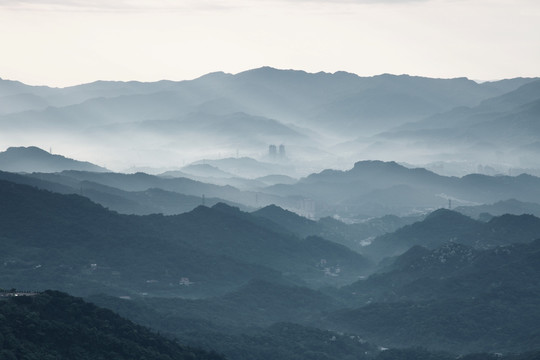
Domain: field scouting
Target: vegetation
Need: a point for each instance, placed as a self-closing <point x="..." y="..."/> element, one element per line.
<point x="353" y="236"/>
<point x="244" y="285"/>
<point x="69" y="243"/>
<point x="443" y="226"/>
<point x="53" y="325"/>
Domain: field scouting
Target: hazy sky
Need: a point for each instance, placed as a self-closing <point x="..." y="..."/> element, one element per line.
<point x="67" y="42"/>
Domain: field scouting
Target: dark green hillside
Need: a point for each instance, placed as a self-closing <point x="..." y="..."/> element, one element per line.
<point x="502" y="321"/>
<point x="354" y="236"/>
<point x="256" y="304"/>
<point x="287" y="341"/>
<point x="416" y="275"/>
<point x="54" y="325"/>
<point x="440" y="227"/>
<point x="420" y="353"/>
<point x="293" y="222"/>
<point x="225" y="230"/>
<point x="505" y="229"/>
<point x="450" y="271"/>
<point x="68" y="242"/>
<point x="452" y="298"/>
<point x="282" y="340"/>
<point x="443" y="226"/>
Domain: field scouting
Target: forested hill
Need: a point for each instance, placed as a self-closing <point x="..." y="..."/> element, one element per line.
<point x="54" y="325"/>
<point x="443" y="226"/>
<point x="66" y="242"/>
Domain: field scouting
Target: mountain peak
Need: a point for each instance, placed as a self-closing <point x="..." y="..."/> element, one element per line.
<point x="28" y="149"/>
<point x="373" y="164"/>
<point x="443" y="213"/>
<point x="222" y="207"/>
<point x="273" y="209"/>
<point x="445" y="217"/>
<point x="389" y="168"/>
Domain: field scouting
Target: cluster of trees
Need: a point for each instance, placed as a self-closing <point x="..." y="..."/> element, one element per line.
<point x="54" y="325"/>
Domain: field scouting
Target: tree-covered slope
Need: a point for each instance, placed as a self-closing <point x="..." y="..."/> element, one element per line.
<point x="67" y="242"/>
<point x="443" y="226"/>
<point x="452" y="298"/>
<point x="256" y="304"/>
<point x="355" y="236"/>
<point x="247" y="335"/>
<point x="54" y="325"/>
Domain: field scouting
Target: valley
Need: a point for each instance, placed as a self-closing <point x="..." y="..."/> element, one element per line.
<point x="271" y="214"/>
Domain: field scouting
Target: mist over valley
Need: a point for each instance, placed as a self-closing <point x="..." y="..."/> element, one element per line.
<point x="324" y="120"/>
<point x="271" y="214"/>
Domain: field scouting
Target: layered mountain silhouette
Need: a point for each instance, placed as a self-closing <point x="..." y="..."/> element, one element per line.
<point x="355" y="236"/>
<point x="376" y="188"/>
<point x="247" y="273"/>
<point x="213" y="250"/>
<point x="503" y="127"/>
<point x="152" y="200"/>
<point x="445" y="226"/>
<point x="165" y="123"/>
<point x="70" y="243"/>
<point x="369" y="189"/>
<point x="511" y="206"/>
<point x="34" y="159"/>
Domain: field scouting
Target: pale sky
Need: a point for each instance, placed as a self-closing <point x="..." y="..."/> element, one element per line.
<point x="68" y="42"/>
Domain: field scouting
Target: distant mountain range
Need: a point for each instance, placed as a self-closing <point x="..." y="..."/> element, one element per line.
<point x="369" y="189"/>
<point x="499" y="129"/>
<point x="321" y="118"/>
<point x="511" y="206"/>
<point x="376" y="188"/>
<point x="256" y="253"/>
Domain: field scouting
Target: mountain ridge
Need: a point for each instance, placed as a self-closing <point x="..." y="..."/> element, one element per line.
<point x="357" y="106"/>
<point x="34" y="159"/>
